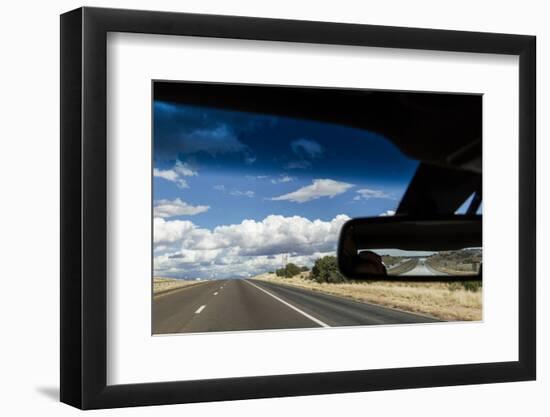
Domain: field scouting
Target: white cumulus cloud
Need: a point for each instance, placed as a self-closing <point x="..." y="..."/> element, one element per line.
<point x="170" y="231"/>
<point x="177" y="207"/>
<point x="175" y="174"/>
<point x="367" y="194"/>
<point x="167" y="174"/>
<point x="247" y="248"/>
<point x="388" y="213"/>
<point x="319" y="188"/>
<point x="183" y="169"/>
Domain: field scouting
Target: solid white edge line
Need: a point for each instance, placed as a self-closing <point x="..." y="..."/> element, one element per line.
<point x="303" y="313"/>
<point x="200" y="309"/>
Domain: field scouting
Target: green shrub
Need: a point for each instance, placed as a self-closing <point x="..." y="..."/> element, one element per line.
<point x="288" y="271"/>
<point x="326" y="270"/>
<point x="472" y="285"/>
<point x="292" y="270"/>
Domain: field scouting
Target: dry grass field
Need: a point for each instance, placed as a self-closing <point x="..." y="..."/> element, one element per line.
<point x="441" y="300"/>
<point x="161" y="285"/>
<point x="462" y="262"/>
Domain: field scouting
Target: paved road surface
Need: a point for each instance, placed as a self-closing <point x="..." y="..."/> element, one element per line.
<point x="422" y="269"/>
<point x="225" y="305"/>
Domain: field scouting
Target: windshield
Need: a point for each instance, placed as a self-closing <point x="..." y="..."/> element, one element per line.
<point x="337" y="202"/>
<point x="238" y="194"/>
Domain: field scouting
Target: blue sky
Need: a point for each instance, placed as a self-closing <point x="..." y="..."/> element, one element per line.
<point x="222" y="174"/>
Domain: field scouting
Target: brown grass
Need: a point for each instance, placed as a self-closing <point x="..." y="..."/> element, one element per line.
<point x="437" y="299"/>
<point x="161" y="285"/>
<point x="451" y="271"/>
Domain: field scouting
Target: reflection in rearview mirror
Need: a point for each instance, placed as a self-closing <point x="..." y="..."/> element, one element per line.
<point x="401" y="247"/>
<point x="457" y="262"/>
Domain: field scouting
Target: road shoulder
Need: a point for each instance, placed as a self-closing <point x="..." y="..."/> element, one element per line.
<point x="435" y="300"/>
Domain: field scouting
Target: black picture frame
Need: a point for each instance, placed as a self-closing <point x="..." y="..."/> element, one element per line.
<point x="84" y="207"/>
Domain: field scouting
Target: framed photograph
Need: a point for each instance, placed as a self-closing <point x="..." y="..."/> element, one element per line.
<point x="257" y="208"/>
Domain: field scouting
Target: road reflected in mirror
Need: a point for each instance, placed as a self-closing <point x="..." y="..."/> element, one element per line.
<point x="463" y="262"/>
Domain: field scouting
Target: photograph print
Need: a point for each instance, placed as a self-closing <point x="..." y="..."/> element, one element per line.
<point x="281" y="207"/>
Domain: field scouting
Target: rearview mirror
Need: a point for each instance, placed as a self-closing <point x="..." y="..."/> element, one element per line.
<point x="411" y="248"/>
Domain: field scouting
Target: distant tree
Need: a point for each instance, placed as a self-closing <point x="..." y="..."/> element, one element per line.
<point x="288" y="271"/>
<point x="292" y="270"/>
<point x="304" y="269"/>
<point x="326" y="270"/>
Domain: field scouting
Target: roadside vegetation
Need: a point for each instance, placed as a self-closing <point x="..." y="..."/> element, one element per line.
<point x="456" y="301"/>
<point x="161" y="285"/>
<point x="290" y="270"/>
<point x="457" y="262"/>
<point x="324" y="270"/>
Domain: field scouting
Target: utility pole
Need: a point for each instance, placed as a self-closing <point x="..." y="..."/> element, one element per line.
<point x="284" y="258"/>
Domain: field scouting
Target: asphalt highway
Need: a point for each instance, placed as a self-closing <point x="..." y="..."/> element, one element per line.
<point x="238" y="304"/>
<point x="423" y="269"/>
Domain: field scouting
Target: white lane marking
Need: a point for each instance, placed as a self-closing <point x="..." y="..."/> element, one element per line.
<point x="303" y="313"/>
<point x="200" y="309"/>
<point x="216" y="293"/>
